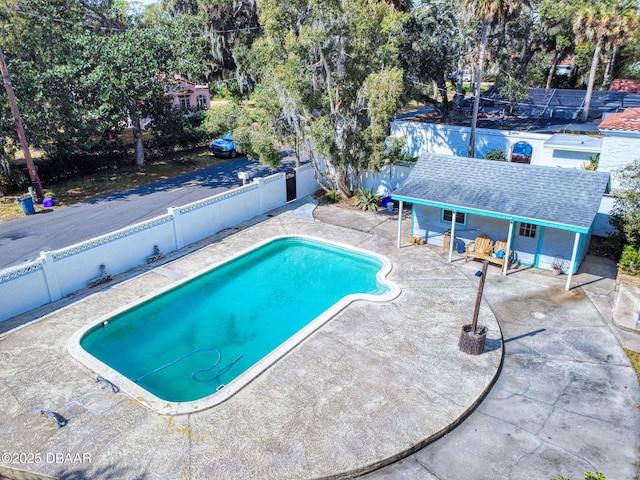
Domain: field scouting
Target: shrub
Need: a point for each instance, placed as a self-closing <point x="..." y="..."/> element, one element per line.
<point x="587" y="476"/>
<point x="592" y="164"/>
<point x="630" y="260"/>
<point x="367" y="199"/>
<point x="496" y="154"/>
<point x="625" y="217"/>
<point x="332" y="197"/>
<point x="5" y="184"/>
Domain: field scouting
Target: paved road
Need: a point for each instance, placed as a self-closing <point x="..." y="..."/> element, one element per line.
<point x="23" y="239"/>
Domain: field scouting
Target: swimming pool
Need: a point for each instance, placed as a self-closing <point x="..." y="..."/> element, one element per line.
<point x="196" y="344"/>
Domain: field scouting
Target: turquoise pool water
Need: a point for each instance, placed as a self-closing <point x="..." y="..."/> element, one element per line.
<point x="189" y="342"/>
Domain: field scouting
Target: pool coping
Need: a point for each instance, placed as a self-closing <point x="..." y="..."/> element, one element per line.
<point x="367" y="409"/>
<point x="166" y="407"/>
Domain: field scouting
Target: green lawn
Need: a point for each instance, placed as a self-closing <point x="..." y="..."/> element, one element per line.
<point x="113" y="180"/>
<point x="635" y="361"/>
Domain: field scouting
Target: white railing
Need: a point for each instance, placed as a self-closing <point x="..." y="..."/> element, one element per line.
<point x="61" y="272"/>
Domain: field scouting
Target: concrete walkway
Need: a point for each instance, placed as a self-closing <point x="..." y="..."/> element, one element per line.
<point x="567" y="400"/>
<point x="375" y="384"/>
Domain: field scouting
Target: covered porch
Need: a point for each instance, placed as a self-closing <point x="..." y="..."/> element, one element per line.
<point x="544" y="214"/>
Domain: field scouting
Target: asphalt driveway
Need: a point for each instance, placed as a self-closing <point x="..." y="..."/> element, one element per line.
<point x="23" y="239"/>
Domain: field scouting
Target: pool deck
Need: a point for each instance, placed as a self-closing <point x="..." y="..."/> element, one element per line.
<point x="374" y="385"/>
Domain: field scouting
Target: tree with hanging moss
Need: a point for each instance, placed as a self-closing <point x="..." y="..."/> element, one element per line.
<point x="436" y="39"/>
<point x="330" y="79"/>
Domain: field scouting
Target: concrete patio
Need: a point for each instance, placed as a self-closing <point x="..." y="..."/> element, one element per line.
<point x="369" y="389"/>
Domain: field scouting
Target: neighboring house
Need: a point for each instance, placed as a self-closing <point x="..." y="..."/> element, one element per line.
<point x="620" y="141"/>
<point x="183" y="94"/>
<point x="617" y="144"/>
<point x="625" y="85"/>
<point x="189" y="95"/>
<point x="556" y="150"/>
<point x="565" y="67"/>
<point x="546" y="214"/>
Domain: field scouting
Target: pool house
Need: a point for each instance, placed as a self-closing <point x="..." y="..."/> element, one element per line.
<point x="545" y="214"/>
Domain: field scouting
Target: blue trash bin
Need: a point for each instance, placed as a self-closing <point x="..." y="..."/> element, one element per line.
<point x="458" y="246"/>
<point x="27" y="205"/>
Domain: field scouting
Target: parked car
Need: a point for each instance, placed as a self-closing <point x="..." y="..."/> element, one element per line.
<point x="224" y="146"/>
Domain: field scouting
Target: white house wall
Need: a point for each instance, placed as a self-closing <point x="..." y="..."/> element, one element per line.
<point x="618" y="150"/>
<point x="569" y="159"/>
<point x="427" y="223"/>
<point x="601" y="226"/>
<point x="454" y="140"/>
<point x="557" y="245"/>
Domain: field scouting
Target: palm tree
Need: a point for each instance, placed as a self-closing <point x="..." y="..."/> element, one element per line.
<point x="601" y="22"/>
<point x="490" y="13"/>
<point x="627" y="22"/>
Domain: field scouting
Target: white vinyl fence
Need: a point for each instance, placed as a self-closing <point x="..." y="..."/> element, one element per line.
<point x="61" y="272"/>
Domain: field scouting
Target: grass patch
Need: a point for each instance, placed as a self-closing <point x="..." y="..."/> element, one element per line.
<point x="634" y="357"/>
<point x="113" y="180"/>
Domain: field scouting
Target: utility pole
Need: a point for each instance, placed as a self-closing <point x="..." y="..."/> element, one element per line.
<point x="33" y="174"/>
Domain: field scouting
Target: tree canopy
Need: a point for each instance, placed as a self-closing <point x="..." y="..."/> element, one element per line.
<point x="323" y="78"/>
<point x="330" y="79"/>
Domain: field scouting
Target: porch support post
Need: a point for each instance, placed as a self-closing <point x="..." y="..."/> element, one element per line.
<point x="453" y="234"/>
<point x="506" y="254"/>
<point x="400" y="221"/>
<point x="576" y="242"/>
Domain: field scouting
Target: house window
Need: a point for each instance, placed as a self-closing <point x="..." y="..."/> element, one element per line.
<point x="184" y="102"/>
<point x="447" y="215"/>
<point x="528" y="230"/>
<point x="202" y="102"/>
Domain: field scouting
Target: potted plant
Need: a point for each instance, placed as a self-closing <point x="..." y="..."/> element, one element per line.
<point x="557" y="265"/>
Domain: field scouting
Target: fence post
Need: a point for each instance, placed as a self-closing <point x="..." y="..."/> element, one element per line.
<point x="53" y="285"/>
<point x="260" y="182"/>
<point x="177" y="226"/>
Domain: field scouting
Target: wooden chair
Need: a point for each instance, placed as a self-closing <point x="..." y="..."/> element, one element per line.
<point x="479" y="248"/>
<point x="484" y="249"/>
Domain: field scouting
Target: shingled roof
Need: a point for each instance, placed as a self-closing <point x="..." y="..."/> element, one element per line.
<point x="558" y="197"/>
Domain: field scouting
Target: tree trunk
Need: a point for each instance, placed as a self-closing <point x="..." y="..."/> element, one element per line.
<point x="476" y="103"/>
<point x="459" y="93"/>
<point x="342" y="183"/>
<point x="5" y="164"/>
<point x="136" y="129"/>
<point x="552" y="70"/>
<point x="592" y="79"/>
<point x="446" y="105"/>
<point x="611" y="60"/>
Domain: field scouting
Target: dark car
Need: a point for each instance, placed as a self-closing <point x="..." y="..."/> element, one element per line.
<point x="224" y="146"/>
